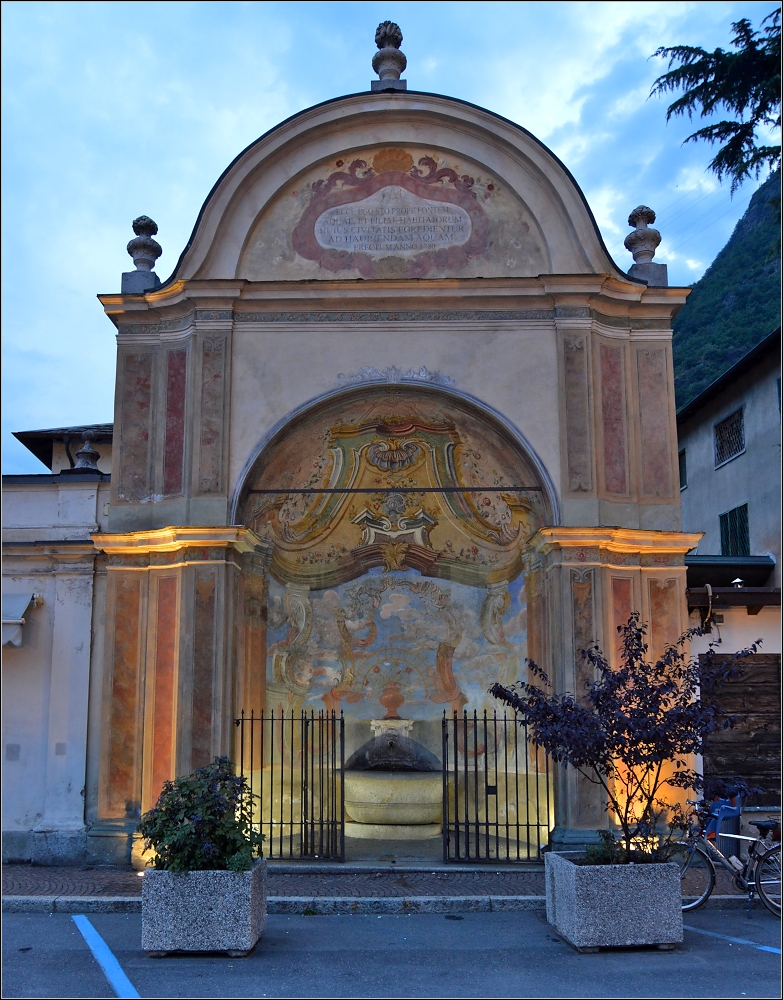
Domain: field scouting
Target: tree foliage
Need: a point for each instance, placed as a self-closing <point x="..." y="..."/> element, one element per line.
<point x="745" y="83"/>
<point x="203" y="822"/>
<point x="736" y="302"/>
<point x="633" y="733"/>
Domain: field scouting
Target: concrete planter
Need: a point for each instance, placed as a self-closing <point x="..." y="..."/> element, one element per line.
<point x="203" y="911"/>
<point x="609" y="906"/>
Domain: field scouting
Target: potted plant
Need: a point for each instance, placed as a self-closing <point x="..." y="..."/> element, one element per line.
<point x="205" y="889"/>
<point x="634" y="733"/>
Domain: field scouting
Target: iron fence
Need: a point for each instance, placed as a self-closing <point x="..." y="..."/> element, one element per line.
<point x="497" y="791"/>
<point x="294" y="767"/>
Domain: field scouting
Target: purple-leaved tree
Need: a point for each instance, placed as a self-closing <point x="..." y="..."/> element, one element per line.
<point x="634" y="733"/>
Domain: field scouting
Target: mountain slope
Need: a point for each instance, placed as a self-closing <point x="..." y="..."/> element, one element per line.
<point x="736" y="303"/>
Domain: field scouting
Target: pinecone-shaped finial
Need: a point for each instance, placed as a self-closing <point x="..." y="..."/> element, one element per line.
<point x="388" y="62"/>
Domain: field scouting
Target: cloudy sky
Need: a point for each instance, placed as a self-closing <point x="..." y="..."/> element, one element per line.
<point x="113" y="110"/>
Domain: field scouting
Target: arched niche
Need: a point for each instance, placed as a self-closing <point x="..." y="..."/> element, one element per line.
<point x="398" y="517"/>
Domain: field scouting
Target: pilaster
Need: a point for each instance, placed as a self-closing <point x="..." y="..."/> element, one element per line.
<point x="582" y="583"/>
<point x="183" y="631"/>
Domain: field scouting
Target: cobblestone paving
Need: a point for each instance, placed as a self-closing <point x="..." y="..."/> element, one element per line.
<point x="25" y="880"/>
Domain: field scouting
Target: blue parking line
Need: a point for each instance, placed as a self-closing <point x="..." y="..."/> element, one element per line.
<point x="726" y="937"/>
<point x="102" y="953"/>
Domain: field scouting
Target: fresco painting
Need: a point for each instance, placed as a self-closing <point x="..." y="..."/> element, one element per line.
<point x="394" y="644"/>
<point x="392" y="212"/>
<point x="399" y="517"/>
<point x="394" y="477"/>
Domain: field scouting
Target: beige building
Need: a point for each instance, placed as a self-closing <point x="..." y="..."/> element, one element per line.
<point x="395" y="422"/>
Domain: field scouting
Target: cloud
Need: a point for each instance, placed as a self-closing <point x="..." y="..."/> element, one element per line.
<point x="517" y="625"/>
<point x="107" y="116"/>
<point x="398" y="604"/>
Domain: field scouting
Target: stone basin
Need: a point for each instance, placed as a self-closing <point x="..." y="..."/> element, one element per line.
<point x="388" y="805"/>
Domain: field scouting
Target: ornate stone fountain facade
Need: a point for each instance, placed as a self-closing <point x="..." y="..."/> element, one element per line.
<point x="395" y="422"/>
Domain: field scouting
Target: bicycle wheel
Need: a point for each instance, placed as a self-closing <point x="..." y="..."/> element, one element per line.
<point x="697" y="874"/>
<point x="768" y="879"/>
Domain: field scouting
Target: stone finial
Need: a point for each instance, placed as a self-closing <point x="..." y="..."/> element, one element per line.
<point x="388" y="62"/>
<point x="144" y="251"/>
<point x="642" y="243"/>
<point x="87" y="457"/>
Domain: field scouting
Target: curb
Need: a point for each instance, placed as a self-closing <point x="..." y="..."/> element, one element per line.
<point x="293" y="905"/>
<point x="334" y="905"/>
<point x="328" y="905"/>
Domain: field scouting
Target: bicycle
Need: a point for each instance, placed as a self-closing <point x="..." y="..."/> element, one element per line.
<point x="698" y="856"/>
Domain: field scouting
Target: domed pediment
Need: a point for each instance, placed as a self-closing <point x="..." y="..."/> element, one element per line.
<point x="402" y="186"/>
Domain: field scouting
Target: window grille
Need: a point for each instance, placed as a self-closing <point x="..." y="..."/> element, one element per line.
<point x="683" y="470"/>
<point x="729" y="438"/>
<point x="734" y="532"/>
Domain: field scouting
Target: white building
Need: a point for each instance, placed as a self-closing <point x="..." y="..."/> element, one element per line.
<point x="729" y="457"/>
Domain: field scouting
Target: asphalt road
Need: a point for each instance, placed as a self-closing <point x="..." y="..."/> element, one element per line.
<point x="474" y="955"/>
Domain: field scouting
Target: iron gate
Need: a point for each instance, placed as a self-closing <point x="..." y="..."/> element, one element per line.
<point x="497" y="796"/>
<point x="294" y="767"/>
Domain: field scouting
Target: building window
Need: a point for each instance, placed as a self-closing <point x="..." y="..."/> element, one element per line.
<point x="734" y="532"/>
<point x="729" y="438"/>
<point x="683" y="470"/>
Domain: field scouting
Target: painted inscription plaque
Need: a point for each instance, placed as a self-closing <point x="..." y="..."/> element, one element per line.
<point x="422" y="214"/>
<point x="391" y="212"/>
<point x="393" y="220"/>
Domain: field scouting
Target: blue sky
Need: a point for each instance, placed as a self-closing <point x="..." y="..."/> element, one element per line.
<point x="113" y="110"/>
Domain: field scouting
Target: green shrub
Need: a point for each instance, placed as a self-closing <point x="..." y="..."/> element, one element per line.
<point x="202" y="822"/>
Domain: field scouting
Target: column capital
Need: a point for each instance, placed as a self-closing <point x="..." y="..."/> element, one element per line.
<point x="175" y="539"/>
<point x="614" y="540"/>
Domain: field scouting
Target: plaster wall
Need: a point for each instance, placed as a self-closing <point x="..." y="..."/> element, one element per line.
<point x="739" y="630"/>
<point x="54" y="510"/>
<point x="48" y="552"/>
<point x="277" y="367"/>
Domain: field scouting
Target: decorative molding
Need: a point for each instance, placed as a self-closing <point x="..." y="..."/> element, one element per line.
<point x="395" y="375"/>
<point x="623" y="323"/>
<point x="152" y="329"/>
<point x="395" y="316"/>
<point x="626" y="323"/>
<point x="572" y="312"/>
<point x="579" y="461"/>
<point x="214" y="314"/>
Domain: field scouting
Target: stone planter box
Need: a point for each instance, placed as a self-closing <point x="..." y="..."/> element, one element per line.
<point x="203" y="911"/>
<point x="609" y="906"/>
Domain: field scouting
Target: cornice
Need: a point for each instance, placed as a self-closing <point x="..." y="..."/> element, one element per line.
<point x="186" y="306"/>
<point x="172" y="539"/>
<point x="66" y="557"/>
<point x="616" y="540"/>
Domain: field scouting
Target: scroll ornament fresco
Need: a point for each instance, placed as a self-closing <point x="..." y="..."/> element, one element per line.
<point x="391" y="599"/>
<point x="426" y="213"/>
<point x="387" y="213"/>
<point x="428" y="486"/>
